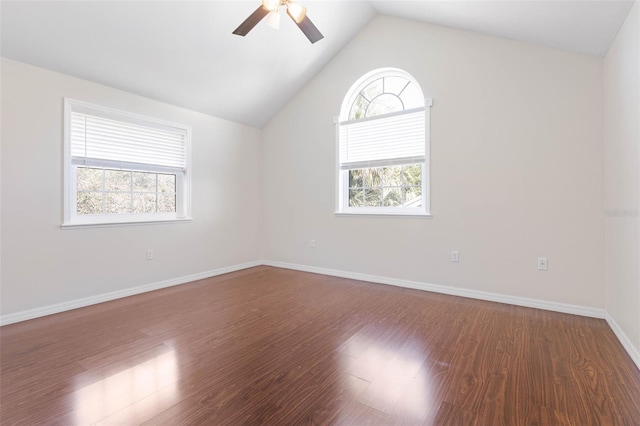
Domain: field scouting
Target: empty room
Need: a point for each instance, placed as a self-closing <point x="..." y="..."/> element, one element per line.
<point x="320" y="212"/>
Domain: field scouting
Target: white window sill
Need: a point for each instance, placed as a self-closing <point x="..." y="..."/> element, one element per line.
<point x="420" y="215"/>
<point x="124" y="223"/>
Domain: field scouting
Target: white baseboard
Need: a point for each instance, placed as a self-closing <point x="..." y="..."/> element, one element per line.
<point x="105" y="297"/>
<point x="633" y="352"/>
<point x="454" y="291"/>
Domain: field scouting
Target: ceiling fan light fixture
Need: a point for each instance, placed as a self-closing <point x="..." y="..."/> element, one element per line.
<point x="271" y="5"/>
<point x="271" y="9"/>
<point x="273" y="19"/>
<point x="296" y="11"/>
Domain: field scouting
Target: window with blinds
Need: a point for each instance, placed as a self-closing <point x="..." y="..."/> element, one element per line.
<point x="395" y="138"/>
<point x="98" y="140"/>
<point x="383" y="146"/>
<point x="121" y="167"/>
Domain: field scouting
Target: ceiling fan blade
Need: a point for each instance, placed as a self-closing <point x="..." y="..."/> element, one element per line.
<point x="307" y="27"/>
<point x="251" y="21"/>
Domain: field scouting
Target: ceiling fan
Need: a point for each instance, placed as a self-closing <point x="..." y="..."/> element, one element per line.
<point x="271" y="9"/>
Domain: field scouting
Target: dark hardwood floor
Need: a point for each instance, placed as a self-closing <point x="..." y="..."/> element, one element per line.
<point x="273" y="346"/>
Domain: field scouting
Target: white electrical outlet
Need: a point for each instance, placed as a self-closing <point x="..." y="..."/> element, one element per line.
<point x="455" y="257"/>
<point x="312" y="243"/>
<point x="149" y="254"/>
<point x="542" y="264"/>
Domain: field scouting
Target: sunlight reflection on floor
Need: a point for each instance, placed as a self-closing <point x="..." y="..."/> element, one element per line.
<point x="117" y="392"/>
<point x="397" y="375"/>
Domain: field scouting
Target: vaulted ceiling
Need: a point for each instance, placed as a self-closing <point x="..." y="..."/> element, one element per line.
<point x="183" y="52"/>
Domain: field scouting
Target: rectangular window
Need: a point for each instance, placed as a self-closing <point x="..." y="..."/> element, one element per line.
<point x="122" y="167"/>
<point x="383" y="164"/>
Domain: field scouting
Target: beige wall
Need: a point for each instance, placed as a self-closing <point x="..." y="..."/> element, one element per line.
<point x="44" y="265"/>
<point x="622" y="177"/>
<point x="517" y="173"/>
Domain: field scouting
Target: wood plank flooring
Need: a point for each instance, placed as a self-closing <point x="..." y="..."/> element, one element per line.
<point x="273" y="346"/>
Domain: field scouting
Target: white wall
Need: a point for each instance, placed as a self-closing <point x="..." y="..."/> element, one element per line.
<point x="517" y="168"/>
<point x="622" y="177"/>
<point x="44" y="265"/>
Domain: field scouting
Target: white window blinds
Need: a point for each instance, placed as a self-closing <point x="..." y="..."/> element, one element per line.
<point x="98" y="140"/>
<point x="397" y="138"/>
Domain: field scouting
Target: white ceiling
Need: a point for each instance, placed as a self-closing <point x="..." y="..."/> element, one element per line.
<point x="584" y="26"/>
<point x="183" y="52"/>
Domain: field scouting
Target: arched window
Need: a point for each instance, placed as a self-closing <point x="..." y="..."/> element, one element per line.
<point x="383" y="146"/>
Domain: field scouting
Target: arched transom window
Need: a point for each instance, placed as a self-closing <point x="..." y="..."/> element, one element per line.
<point x="386" y="94"/>
<point x="383" y="146"/>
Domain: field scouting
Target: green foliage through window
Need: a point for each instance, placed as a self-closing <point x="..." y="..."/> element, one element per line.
<point x="108" y="191"/>
<point x="393" y="186"/>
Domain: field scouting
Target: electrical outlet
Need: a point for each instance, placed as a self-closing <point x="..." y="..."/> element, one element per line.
<point x="455" y="257"/>
<point x="312" y="243"/>
<point x="149" y="254"/>
<point x="542" y="264"/>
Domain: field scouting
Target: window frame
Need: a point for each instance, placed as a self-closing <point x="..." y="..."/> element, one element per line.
<point x="342" y="184"/>
<point x="183" y="180"/>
